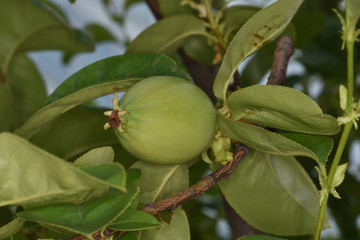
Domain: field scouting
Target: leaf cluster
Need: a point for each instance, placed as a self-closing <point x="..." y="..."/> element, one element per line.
<point x="61" y="175"/>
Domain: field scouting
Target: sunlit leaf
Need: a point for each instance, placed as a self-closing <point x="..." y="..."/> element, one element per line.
<point x="177" y="229"/>
<point x="106" y="76"/>
<point x="134" y="220"/>
<point x="280" y="107"/>
<point x="99" y="163"/>
<point x="268" y="190"/>
<point x="8" y="230"/>
<point x="353" y="11"/>
<point x="30" y="176"/>
<point x="97" y="156"/>
<point x="260" y="29"/>
<point x="263" y="140"/>
<point x="160" y="181"/>
<point x="167" y="34"/>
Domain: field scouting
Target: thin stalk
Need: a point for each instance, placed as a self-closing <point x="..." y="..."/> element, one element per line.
<point x="350" y="66"/>
<point x="214" y="27"/>
<point x="321" y="217"/>
<point x="335" y="163"/>
<point x="350" y="39"/>
<point x="339" y="151"/>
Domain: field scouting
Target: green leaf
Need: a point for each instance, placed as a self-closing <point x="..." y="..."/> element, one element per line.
<point x="236" y="17"/>
<point x="128" y="3"/>
<point x="343" y="97"/>
<point x="280" y="107"/>
<point x="339" y="177"/>
<point x="8" y="230"/>
<point x="99" y="163"/>
<point x="113" y="173"/>
<point x="177" y="229"/>
<point x="173" y="7"/>
<point x="30" y="176"/>
<point x="199" y="49"/>
<point x="273" y="194"/>
<point x="133" y="176"/>
<point x="96" y="156"/>
<point x="263" y="140"/>
<point x="352" y="12"/>
<point x="257" y="67"/>
<point x="83" y="122"/>
<point x="83" y="219"/>
<point x="7" y="108"/>
<point x="260" y="237"/>
<point x="21" y="94"/>
<point x="319" y="145"/>
<point x="167" y="34"/>
<point x="99" y="33"/>
<point x="129" y="236"/>
<point x="260" y="29"/>
<point x="134" y="220"/>
<point x="36" y="29"/>
<point x="106" y="76"/>
<point x="160" y="181"/>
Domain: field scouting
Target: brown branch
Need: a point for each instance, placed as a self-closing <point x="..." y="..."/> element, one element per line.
<point x="154" y="6"/>
<point x="236" y="83"/>
<point x="202" y="186"/>
<point x="239" y="227"/>
<point x="198" y="188"/>
<point x="283" y="52"/>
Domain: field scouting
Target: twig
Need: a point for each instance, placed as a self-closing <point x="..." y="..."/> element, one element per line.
<point x="283" y="52"/>
<point x="198" y="188"/>
<point x="236" y="83"/>
<point x="202" y="186"/>
<point x="154" y="6"/>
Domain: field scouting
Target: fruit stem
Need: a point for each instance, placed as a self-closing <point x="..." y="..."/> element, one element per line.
<point x="115" y="116"/>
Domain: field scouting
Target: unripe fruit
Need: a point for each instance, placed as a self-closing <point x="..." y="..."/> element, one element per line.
<point x="165" y="120"/>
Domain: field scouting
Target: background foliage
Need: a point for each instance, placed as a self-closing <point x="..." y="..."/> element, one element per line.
<point x="315" y="30"/>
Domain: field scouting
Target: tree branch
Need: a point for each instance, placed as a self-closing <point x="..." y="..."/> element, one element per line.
<point x="154" y="7"/>
<point x="283" y="52"/>
<point x="202" y="186"/>
<point x="285" y="48"/>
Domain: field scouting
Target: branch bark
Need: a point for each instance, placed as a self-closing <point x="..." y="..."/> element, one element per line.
<point x="283" y="52"/>
<point x="171" y="203"/>
<point x="285" y="48"/>
<point x="200" y="187"/>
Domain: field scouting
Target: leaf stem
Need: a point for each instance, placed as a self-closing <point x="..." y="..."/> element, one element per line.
<point x="339" y="151"/>
<point x="350" y="66"/>
<point x="214" y="26"/>
<point x="321" y="217"/>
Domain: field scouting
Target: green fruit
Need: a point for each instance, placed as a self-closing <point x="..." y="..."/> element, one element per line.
<point x="165" y="120"/>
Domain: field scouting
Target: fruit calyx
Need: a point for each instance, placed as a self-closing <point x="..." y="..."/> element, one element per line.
<point x="115" y="116"/>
